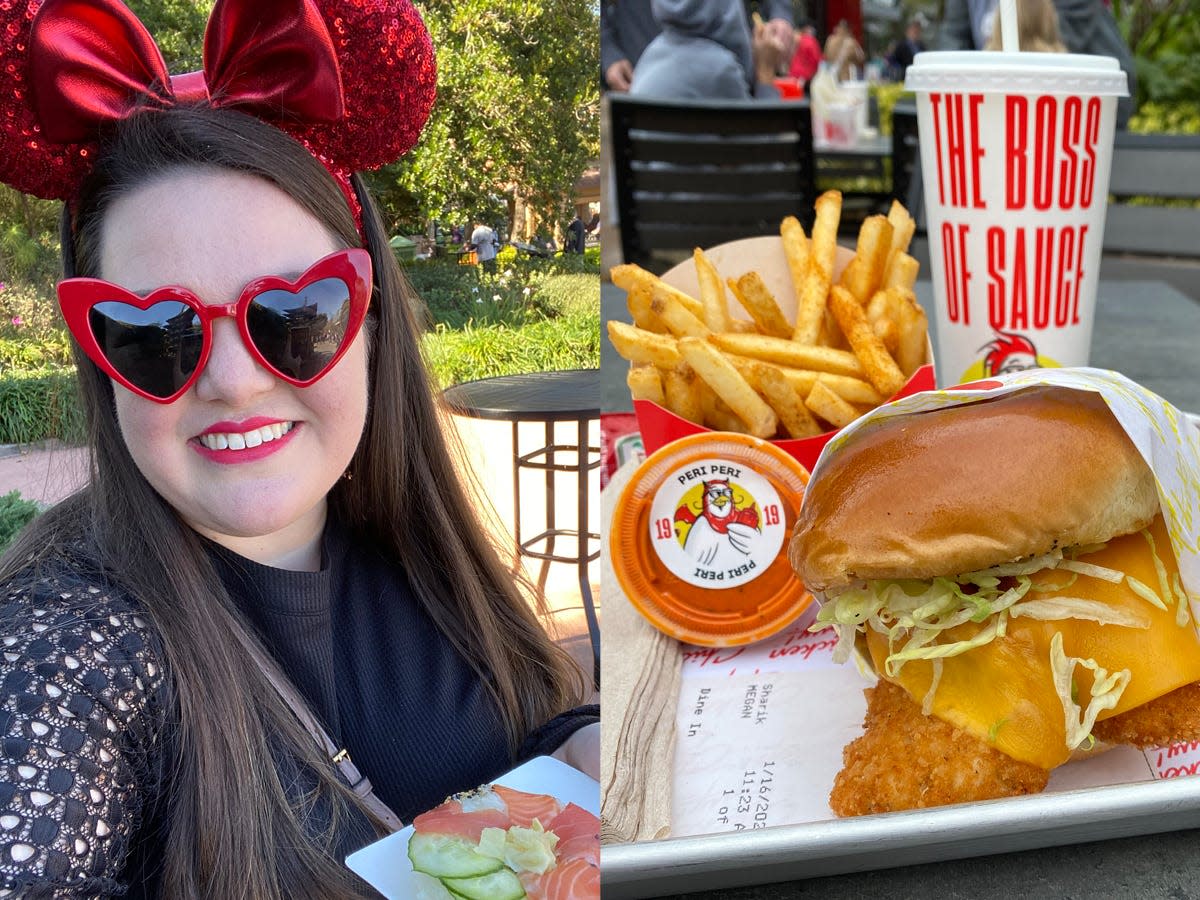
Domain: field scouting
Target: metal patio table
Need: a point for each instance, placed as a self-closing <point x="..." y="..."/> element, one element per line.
<point x="571" y="395"/>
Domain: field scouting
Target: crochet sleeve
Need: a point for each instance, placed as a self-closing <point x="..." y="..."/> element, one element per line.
<point x="80" y="717"/>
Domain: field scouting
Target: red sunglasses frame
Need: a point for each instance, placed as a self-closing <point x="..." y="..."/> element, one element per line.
<point x="77" y="296"/>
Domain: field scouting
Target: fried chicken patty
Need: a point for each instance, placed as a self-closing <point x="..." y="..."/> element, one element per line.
<point x="908" y="760"/>
<point x="1172" y="717"/>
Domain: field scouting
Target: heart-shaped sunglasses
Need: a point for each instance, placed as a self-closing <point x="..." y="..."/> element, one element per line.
<point x="156" y="345"/>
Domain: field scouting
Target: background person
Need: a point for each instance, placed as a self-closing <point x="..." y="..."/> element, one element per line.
<point x="628" y="26"/>
<point x="902" y="54"/>
<point x="1086" y="26"/>
<point x="843" y="52"/>
<point x="483" y="242"/>
<point x="575" y="232"/>
<point x="1037" y="26"/>
<point x="707" y="51"/>
<point x="274" y="542"/>
<point x="807" y="56"/>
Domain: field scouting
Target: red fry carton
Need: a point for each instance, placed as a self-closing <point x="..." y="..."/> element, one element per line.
<point x="765" y="255"/>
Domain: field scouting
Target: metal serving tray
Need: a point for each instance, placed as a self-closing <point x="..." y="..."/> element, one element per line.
<point x="839" y="846"/>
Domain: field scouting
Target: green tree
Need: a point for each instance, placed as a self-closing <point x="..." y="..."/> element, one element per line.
<point x="1164" y="36"/>
<point x="177" y="27"/>
<point x="517" y="115"/>
<point x="28" y="226"/>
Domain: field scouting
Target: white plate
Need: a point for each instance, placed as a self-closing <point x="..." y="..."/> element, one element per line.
<point x="385" y="864"/>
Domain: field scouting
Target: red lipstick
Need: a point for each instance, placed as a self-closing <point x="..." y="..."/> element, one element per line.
<point x="248" y="454"/>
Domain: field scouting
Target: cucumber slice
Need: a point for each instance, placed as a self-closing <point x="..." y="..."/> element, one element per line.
<point x="502" y="884"/>
<point x="447" y="856"/>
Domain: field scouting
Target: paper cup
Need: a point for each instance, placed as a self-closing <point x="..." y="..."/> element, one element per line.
<point x="659" y="426"/>
<point x="1015" y="156"/>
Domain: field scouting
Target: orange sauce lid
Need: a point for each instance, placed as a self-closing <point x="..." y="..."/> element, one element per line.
<point x="699" y="539"/>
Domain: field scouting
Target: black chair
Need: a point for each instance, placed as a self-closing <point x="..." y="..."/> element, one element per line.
<point x="906" y="175"/>
<point x="697" y="174"/>
<point x="906" y="161"/>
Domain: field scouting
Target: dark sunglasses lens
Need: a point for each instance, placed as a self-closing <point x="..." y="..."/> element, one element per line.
<point x="300" y="333"/>
<point x="155" y="349"/>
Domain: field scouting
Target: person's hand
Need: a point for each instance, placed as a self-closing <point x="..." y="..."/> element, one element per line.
<point x="619" y="75"/>
<point x="582" y="750"/>
<point x="767" y="53"/>
<point x="781" y="33"/>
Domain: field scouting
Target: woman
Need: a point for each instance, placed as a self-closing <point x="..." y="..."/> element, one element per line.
<point x="1037" y="26"/>
<point x="843" y="53"/>
<point x="274" y="564"/>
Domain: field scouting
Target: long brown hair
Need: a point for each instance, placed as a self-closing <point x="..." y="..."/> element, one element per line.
<point x="232" y="830"/>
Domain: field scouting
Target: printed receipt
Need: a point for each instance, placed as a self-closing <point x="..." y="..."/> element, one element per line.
<point x="761" y="728"/>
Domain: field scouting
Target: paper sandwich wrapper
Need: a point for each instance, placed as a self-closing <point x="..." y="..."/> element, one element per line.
<point x="765" y="255"/>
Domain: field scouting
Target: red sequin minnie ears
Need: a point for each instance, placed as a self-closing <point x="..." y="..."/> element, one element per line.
<point x="353" y="80"/>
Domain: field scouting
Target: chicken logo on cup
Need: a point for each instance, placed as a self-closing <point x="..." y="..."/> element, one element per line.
<point x="1007" y="353"/>
<point x="717" y="524"/>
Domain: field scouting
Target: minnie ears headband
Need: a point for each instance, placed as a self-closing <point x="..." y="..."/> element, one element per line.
<point x="352" y="80"/>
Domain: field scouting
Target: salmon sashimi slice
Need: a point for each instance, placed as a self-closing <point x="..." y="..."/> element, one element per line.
<point x="578" y="835"/>
<point x="574" y="879"/>
<point x="449" y="818"/>
<point x="523" y="808"/>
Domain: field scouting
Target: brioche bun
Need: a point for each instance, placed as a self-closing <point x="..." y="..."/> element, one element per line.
<point x="972" y="486"/>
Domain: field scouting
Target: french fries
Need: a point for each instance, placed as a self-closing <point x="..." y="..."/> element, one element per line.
<point x="830" y="407"/>
<point x="645" y="384"/>
<point x="730" y="386"/>
<point x="712" y="292"/>
<point x="640" y="346"/>
<point x="757" y="300"/>
<point x="881" y="369"/>
<point x="797" y="363"/>
<point x="680" y="392"/>
<point x="789" y="353"/>
<point x="864" y="274"/>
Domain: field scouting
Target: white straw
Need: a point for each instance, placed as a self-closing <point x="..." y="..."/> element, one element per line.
<point x="1008" y="26"/>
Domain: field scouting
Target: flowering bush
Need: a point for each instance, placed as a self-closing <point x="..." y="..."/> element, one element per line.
<point x="27" y="312"/>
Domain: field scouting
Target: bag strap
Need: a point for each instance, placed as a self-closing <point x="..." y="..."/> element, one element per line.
<point x="340" y="757"/>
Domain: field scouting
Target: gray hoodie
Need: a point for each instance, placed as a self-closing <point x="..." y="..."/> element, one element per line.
<point x="703" y="53"/>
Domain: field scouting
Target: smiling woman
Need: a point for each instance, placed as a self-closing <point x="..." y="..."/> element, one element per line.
<point x="274" y="568"/>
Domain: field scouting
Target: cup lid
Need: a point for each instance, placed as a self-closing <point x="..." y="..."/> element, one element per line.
<point x="994" y="71"/>
<point x="699" y="536"/>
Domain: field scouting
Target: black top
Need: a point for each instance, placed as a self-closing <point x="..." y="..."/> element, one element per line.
<point x="572" y="394"/>
<point x="83" y="742"/>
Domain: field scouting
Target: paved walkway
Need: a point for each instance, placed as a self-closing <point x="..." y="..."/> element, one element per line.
<point x="44" y="472"/>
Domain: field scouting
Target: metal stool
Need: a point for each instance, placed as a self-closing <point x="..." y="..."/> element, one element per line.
<point x="548" y="397"/>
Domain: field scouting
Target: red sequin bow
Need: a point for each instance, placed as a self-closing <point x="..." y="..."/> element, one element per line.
<point x="353" y="80"/>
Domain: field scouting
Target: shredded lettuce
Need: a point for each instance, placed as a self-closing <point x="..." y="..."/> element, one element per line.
<point x="915" y="614"/>
<point x="1181" y="612"/>
<point x="1078" y="608"/>
<point x="1104" y="574"/>
<point x="927" y="703"/>
<point x="940" y="651"/>
<point x="1106" y="692"/>
<point x="995" y="729"/>
<point x="1146" y="592"/>
<point x="1160" y="570"/>
<point x="1020" y="567"/>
